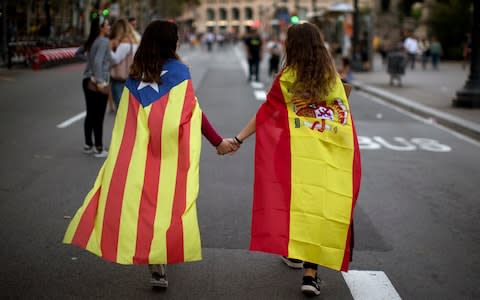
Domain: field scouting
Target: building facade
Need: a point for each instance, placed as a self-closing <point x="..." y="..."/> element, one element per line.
<point x="238" y="15"/>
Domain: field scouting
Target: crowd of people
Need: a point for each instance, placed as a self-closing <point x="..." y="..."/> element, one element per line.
<point x="426" y="49"/>
<point x="156" y="107"/>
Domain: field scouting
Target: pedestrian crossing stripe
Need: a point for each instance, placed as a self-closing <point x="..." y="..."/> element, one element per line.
<point x="370" y="285"/>
<point x="260" y="95"/>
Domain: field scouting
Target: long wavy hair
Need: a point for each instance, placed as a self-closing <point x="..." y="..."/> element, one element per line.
<point x="308" y="56"/>
<point x="158" y="44"/>
<point x="119" y="30"/>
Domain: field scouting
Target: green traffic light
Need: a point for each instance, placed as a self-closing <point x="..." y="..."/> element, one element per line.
<point x="105" y="12"/>
<point x="294" y="19"/>
<point x="94" y="15"/>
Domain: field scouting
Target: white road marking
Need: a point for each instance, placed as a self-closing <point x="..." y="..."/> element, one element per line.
<point x="72" y="120"/>
<point x="370" y="285"/>
<point x="257" y="85"/>
<point x="260" y="95"/>
<point x="429" y="121"/>
<point x="402" y="144"/>
<point x="241" y="58"/>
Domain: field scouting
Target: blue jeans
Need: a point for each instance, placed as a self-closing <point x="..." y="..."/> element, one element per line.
<point x="435" y="60"/>
<point x="117" y="89"/>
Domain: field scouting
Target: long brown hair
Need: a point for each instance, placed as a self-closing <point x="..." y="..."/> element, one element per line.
<point x="158" y="44"/>
<point x="307" y="55"/>
<point x="119" y="30"/>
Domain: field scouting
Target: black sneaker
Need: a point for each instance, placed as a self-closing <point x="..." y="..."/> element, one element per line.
<point x="159" y="279"/>
<point x="292" y="262"/>
<point x="310" y="286"/>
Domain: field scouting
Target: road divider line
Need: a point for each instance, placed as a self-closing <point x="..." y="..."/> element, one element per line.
<point x="370" y="285"/>
<point x="72" y="120"/>
<point x="242" y="60"/>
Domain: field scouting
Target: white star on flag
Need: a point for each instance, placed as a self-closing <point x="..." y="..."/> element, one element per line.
<point x="153" y="85"/>
<point x="143" y="84"/>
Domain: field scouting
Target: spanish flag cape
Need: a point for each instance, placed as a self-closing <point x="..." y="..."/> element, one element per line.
<point x="307" y="176"/>
<point x="142" y="207"/>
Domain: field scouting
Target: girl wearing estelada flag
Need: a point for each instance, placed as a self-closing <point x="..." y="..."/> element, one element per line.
<point x="142" y="207"/>
<point x="307" y="162"/>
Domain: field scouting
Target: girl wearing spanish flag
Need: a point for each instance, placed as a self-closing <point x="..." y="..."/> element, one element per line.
<point x="142" y="207"/>
<point x="307" y="162"/>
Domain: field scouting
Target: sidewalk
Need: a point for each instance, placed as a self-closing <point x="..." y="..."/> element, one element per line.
<point x="425" y="92"/>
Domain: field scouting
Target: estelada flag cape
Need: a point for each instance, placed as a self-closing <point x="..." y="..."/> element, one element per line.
<point x="142" y="207"/>
<point x="307" y="176"/>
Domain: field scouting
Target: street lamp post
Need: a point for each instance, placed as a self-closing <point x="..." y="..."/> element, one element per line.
<point x="3" y="18"/>
<point x="356" y="63"/>
<point x="469" y="96"/>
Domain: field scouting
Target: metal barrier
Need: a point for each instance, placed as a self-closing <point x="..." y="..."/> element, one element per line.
<point x="49" y="56"/>
<point x="21" y="52"/>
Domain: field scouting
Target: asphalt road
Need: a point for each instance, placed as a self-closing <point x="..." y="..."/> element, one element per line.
<point x="416" y="218"/>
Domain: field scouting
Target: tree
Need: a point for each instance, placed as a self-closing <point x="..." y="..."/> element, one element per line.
<point x="450" y="20"/>
<point x="172" y="9"/>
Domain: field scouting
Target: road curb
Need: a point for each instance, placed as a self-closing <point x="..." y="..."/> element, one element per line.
<point x="466" y="127"/>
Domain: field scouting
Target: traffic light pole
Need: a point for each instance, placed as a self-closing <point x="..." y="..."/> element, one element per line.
<point x="469" y="96"/>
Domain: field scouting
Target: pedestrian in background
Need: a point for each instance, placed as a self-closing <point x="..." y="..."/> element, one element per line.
<point x="346" y="70"/>
<point x="411" y="47"/>
<point x="124" y="44"/>
<point x="274" y="47"/>
<point x="133" y="22"/>
<point x="142" y="207"/>
<point x="365" y="51"/>
<point x="424" y="48"/>
<point x="467" y="50"/>
<point x="96" y="50"/>
<point x="253" y="47"/>
<point x="305" y="146"/>
<point x="209" y="40"/>
<point x="435" y="52"/>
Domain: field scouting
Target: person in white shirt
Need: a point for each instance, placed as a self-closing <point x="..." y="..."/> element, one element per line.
<point x="411" y="46"/>
<point x="124" y="44"/>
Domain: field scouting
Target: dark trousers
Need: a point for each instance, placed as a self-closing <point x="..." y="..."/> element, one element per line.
<point x="253" y="64"/>
<point x="96" y="105"/>
<point x="308" y="265"/>
<point x="435" y="60"/>
<point x="274" y="61"/>
<point x="411" y="60"/>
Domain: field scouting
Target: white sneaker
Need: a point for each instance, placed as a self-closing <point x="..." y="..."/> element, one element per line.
<point x="88" y="149"/>
<point x="100" y="154"/>
<point x="292" y="262"/>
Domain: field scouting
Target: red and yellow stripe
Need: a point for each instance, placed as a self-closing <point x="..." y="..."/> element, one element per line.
<point x="142" y="208"/>
<point x="306" y="180"/>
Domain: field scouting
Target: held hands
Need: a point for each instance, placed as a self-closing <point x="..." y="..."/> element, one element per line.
<point x="229" y="145"/>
